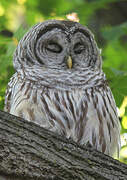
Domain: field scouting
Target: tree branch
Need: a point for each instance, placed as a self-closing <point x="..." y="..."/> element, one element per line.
<point x="28" y="151"/>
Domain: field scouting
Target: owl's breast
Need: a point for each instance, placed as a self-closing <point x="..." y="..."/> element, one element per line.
<point x="85" y="115"/>
<point x="66" y="111"/>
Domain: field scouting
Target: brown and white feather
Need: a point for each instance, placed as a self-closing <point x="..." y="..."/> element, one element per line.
<point x="76" y="103"/>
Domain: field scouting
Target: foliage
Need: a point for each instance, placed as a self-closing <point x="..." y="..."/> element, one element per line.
<point x="16" y="16"/>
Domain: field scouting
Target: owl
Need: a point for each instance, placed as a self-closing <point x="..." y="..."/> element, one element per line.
<point x="59" y="84"/>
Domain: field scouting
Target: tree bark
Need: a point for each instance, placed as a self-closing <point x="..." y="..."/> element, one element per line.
<point x="28" y="151"/>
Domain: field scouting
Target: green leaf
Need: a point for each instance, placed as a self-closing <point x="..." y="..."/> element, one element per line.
<point x="114" y="33"/>
<point x="115" y="55"/>
<point x="117" y="82"/>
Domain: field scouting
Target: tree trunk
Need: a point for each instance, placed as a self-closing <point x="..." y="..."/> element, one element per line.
<point x="28" y="151"/>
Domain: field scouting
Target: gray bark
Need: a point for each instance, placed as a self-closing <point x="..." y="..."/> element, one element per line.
<point x="28" y="151"/>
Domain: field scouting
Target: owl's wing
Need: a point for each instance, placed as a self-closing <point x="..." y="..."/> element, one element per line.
<point x="102" y="126"/>
<point x="98" y="122"/>
<point x="9" y="92"/>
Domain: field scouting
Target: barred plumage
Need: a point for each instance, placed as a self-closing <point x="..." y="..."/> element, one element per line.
<point x="77" y="102"/>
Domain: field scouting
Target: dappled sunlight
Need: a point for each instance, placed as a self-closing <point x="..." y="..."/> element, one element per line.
<point x="123" y="152"/>
<point x="122" y="108"/>
<point x="73" y="17"/>
<point x="21" y="2"/>
<point x="15" y="41"/>
<point x="15" y="16"/>
<point x="124" y="139"/>
<point x="2" y="10"/>
<point x="124" y="122"/>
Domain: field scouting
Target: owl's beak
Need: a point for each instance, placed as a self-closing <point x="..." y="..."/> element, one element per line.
<point x="69" y="62"/>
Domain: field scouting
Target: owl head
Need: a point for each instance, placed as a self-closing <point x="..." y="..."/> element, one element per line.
<point x="56" y="44"/>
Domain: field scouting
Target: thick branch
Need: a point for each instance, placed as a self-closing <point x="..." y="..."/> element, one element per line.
<point x="31" y="152"/>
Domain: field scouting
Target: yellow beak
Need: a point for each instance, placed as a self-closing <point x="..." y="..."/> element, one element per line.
<point x="69" y="62"/>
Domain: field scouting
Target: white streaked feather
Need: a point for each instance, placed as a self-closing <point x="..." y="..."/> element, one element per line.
<point x="77" y="97"/>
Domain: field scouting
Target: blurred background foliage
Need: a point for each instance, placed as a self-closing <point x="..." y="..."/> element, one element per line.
<point x="107" y="19"/>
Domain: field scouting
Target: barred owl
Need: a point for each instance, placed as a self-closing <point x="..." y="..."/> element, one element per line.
<point x="59" y="84"/>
